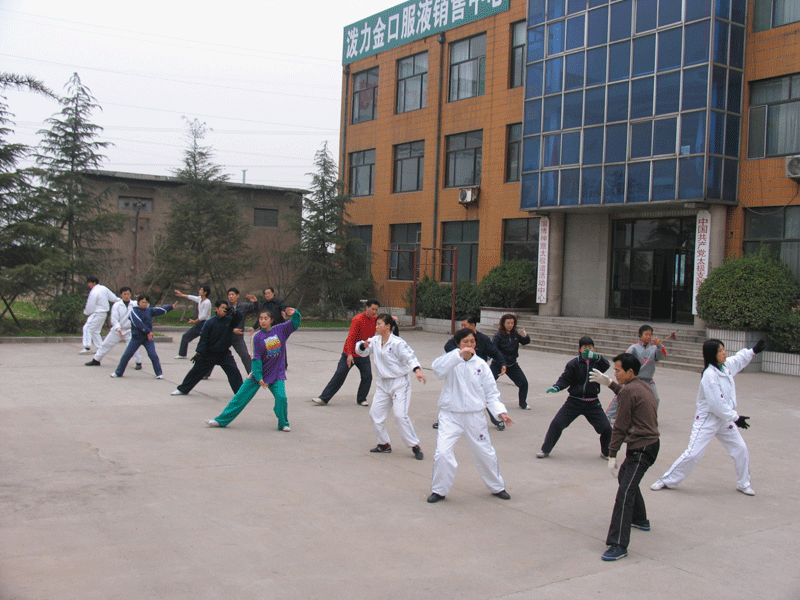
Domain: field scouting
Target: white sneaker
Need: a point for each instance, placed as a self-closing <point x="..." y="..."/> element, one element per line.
<point x="176" y="393"/>
<point x="286" y="428"/>
<point x="159" y="377"/>
<point x="179" y="357"/>
<point x="748" y="491"/>
<point x="658" y="485"/>
<point x="85" y="351"/>
<point x="210" y="422"/>
<point x="114" y="375"/>
<point x="318" y="401"/>
<point x="542" y="454"/>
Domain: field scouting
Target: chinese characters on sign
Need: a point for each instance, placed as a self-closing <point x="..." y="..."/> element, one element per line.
<point x="412" y="21"/>
<point x="700" y="253"/>
<point x="544" y="243"/>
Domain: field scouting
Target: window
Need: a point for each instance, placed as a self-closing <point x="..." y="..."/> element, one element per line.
<point x="521" y="239"/>
<point x="467" y="67"/>
<point x="464" y="236"/>
<point x="514" y="152"/>
<point x="409" y="166"/>
<point x="362" y="173"/>
<point x="778" y="229"/>
<point x="365" y="95"/>
<point x="517" y="75"/>
<point x="265" y="217"/>
<point x="412" y="82"/>
<point x="363" y="235"/>
<point x="464" y="155"/>
<point x="774" y="13"/>
<point x="774" y="117"/>
<point x="135" y="203"/>
<point x="405" y="237"/>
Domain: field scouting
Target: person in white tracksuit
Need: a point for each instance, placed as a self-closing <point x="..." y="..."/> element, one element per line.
<point x="469" y="389"/>
<point x="96" y="310"/>
<point x="716" y="416"/>
<point x="393" y="359"/>
<point x="120" y="329"/>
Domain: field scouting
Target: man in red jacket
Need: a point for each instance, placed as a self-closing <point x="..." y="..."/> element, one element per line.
<point x="361" y="328"/>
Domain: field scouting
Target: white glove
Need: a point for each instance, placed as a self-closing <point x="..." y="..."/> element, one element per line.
<point x="601" y="378"/>
<point x="612" y="467"/>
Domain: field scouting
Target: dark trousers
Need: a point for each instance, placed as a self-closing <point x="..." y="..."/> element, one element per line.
<point x="572" y="409"/>
<point x="516" y="375"/>
<point x="240" y="346"/>
<point x="204" y="364"/>
<point x="336" y="382"/>
<point x="629" y="505"/>
<point x="133" y="346"/>
<point x="192" y="333"/>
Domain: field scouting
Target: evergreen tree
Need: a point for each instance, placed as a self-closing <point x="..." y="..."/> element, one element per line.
<point x="325" y="257"/>
<point x="24" y="241"/>
<point x="205" y="234"/>
<point x="74" y="208"/>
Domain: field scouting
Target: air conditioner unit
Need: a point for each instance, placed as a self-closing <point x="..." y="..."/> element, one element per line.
<point x="468" y="195"/>
<point x="793" y="167"/>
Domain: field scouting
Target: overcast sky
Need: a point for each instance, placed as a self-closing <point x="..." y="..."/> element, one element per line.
<point x="264" y="76"/>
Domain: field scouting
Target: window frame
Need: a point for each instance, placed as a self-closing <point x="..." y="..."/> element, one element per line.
<point x="265" y="212"/>
<point x="369" y="91"/>
<point x="470" y="260"/>
<point x="451" y="159"/>
<point x="516" y="61"/>
<point x="513" y="144"/>
<point x="402" y="84"/>
<point x="479" y="61"/>
<point x="399" y="163"/>
<point x="357" y="169"/>
<point x="760" y="113"/>
<point x="395" y="243"/>
<point x="753" y="244"/>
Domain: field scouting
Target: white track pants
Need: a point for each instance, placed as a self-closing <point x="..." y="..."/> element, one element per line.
<point x="91" y="330"/>
<point x="705" y="427"/>
<point x="393" y="394"/>
<point x="472" y="425"/>
<point x="112" y="339"/>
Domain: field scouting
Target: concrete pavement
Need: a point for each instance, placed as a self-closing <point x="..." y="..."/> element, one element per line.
<point x="112" y="488"/>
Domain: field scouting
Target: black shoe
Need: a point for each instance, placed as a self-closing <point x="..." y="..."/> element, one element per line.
<point x="614" y="552"/>
<point x="434" y="497"/>
<point x="138" y="367"/>
<point x="382" y="448"/>
<point x="417" y="453"/>
<point x="501" y="426"/>
<point x="502" y="494"/>
<point x="93" y="363"/>
<point x="643" y="525"/>
<point x="436" y="425"/>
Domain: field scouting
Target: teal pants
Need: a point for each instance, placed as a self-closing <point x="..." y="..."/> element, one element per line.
<point x="246" y="393"/>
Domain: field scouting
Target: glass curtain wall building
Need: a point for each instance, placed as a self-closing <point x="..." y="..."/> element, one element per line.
<point x="632" y="102"/>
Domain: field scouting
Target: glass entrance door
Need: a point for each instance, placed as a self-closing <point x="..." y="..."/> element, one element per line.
<point x="651" y="270"/>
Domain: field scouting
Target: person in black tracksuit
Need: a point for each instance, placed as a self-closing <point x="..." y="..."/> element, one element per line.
<point x="214" y="349"/>
<point x="485" y="349"/>
<point x="582" y="399"/>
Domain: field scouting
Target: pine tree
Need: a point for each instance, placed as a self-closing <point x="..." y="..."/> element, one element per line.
<point x="325" y="257"/>
<point x="205" y="237"/>
<point x="75" y="209"/>
<point x="24" y="241"/>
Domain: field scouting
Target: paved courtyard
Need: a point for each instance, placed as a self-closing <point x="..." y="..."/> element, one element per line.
<point x="112" y="488"/>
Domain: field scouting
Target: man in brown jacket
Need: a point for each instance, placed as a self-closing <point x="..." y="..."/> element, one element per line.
<point x="636" y="425"/>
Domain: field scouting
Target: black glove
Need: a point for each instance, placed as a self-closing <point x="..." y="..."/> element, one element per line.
<point x="742" y="422"/>
<point x="196" y="357"/>
<point x="759" y="347"/>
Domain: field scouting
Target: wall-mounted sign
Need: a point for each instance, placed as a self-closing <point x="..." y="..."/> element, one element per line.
<point x="544" y="245"/>
<point x="412" y="21"/>
<point x="701" y="246"/>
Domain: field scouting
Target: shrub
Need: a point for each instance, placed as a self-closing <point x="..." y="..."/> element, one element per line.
<point x="434" y="300"/>
<point x="785" y="334"/>
<point x="748" y="292"/>
<point x="508" y="284"/>
<point x="67" y="312"/>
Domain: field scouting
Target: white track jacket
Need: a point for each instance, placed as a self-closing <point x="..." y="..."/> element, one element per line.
<point x="469" y="384"/>
<point x="121" y="315"/>
<point x="393" y="359"/>
<point x="717" y="393"/>
<point x="99" y="299"/>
